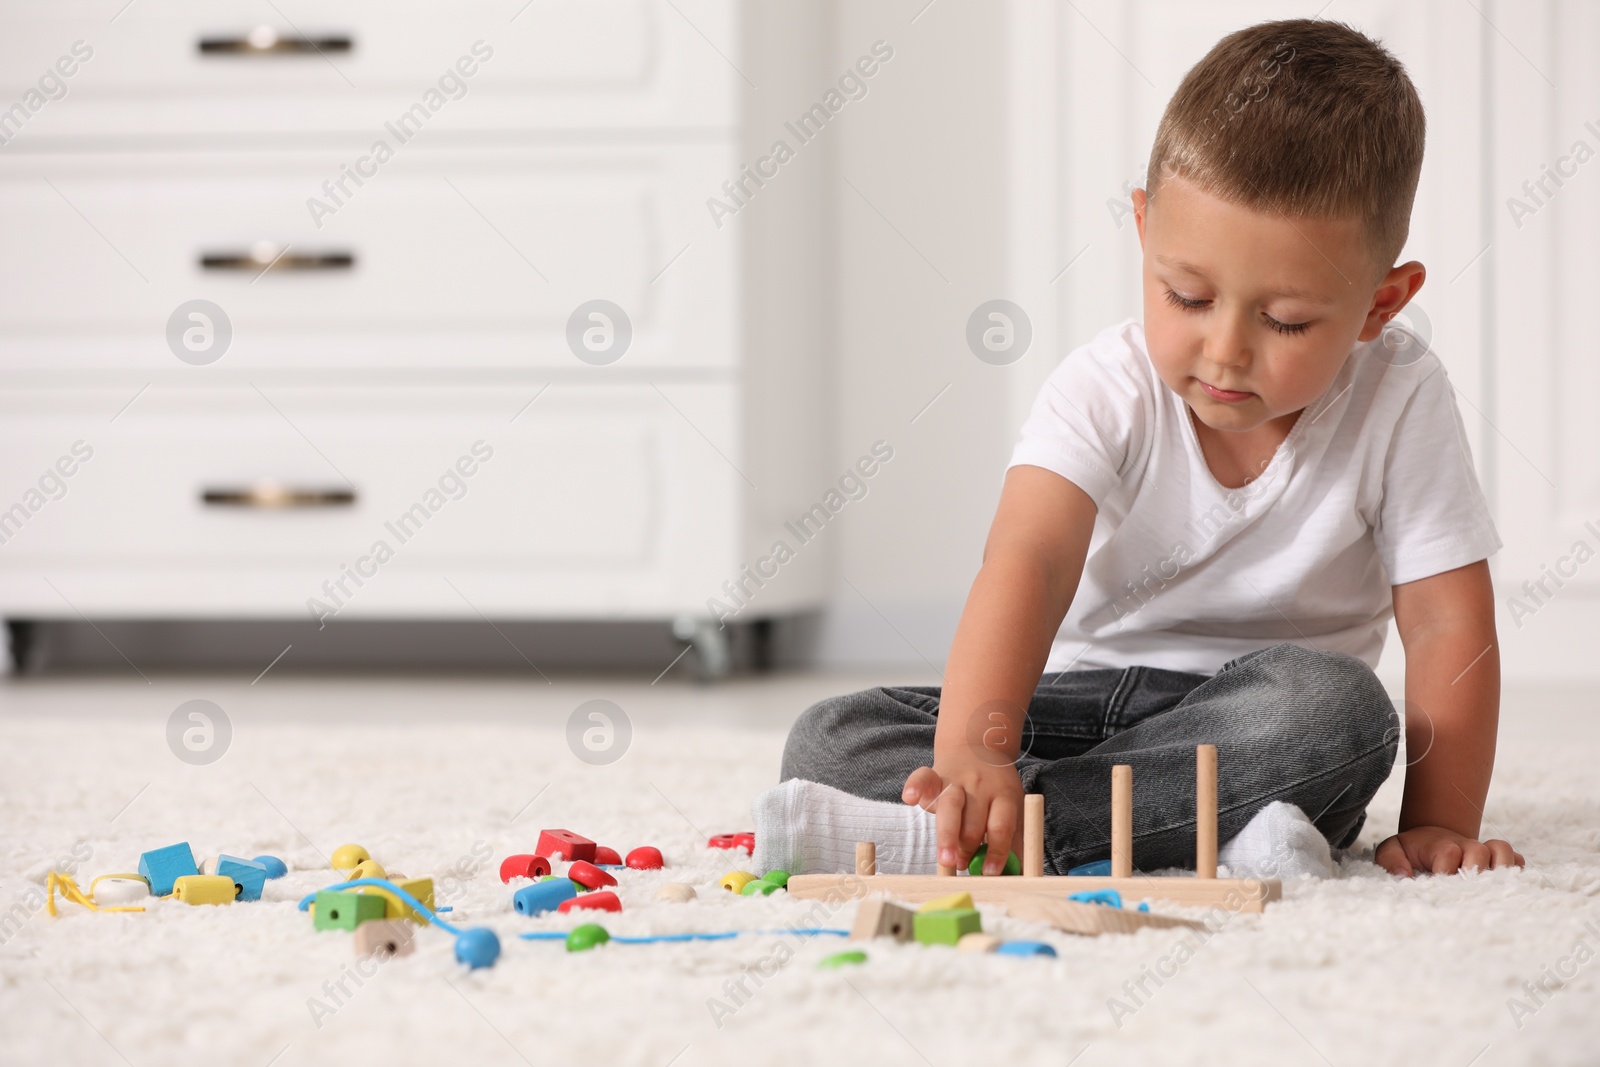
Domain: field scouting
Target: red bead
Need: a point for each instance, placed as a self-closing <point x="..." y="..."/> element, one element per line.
<point x="746" y="841"/>
<point x="565" y="844"/>
<point x="646" y="858"/>
<point x="608" y="856"/>
<point x="588" y="875"/>
<point x="523" y="867"/>
<point x="602" y="901"/>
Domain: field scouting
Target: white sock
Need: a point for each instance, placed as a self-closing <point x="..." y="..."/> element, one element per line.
<point x="809" y="828"/>
<point x="1280" y="842"/>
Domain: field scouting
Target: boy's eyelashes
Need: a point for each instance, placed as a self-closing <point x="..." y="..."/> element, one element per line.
<point x="1190" y="304"/>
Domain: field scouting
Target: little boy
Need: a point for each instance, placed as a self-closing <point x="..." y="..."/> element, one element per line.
<point x="1206" y="526"/>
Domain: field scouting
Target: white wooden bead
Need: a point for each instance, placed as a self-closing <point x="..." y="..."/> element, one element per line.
<point x="117" y="891"/>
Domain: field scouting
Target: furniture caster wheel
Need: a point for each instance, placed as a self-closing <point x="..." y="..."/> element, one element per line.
<point x="714" y="658"/>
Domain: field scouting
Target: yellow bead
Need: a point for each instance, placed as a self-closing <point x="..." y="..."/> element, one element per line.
<point x="949" y="902"/>
<point x="347" y="856"/>
<point x="204" y="889"/>
<point x="735" y="881"/>
<point x="366" y="869"/>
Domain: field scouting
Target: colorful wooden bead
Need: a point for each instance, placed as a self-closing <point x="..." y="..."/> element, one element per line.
<point x="646" y="858"/>
<point x="746" y="841"/>
<point x="586" y="936"/>
<point x="340" y="909"/>
<point x="366" y="869"/>
<point x="878" y="916"/>
<point x="777" y="878"/>
<point x="977" y="942"/>
<point x="948" y="902"/>
<point x="477" y="946"/>
<point x="204" y="889"/>
<point x="760" y="887"/>
<point x="163" y="866"/>
<point x="564" y="844"/>
<point x="842" y="959"/>
<point x="347" y="856"/>
<point x="588" y="875"/>
<point x="735" y="881"/>
<point x="607" y="857"/>
<point x="523" y="866"/>
<point x="946" y="926"/>
<point x="540" y="897"/>
<point x="276" y="868"/>
<point x="1108" y="897"/>
<point x="385" y="938"/>
<point x="678" y="892"/>
<point x="602" y="900"/>
<point x="248" y="875"/>
<point x="394" y="907"/>
<point x="1013" y="865"/>
<point x="1025" y="948"/>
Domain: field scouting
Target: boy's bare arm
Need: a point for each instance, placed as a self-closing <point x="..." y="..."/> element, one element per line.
<point x="1031" y="565"/>
<point x="1446" y="624"/>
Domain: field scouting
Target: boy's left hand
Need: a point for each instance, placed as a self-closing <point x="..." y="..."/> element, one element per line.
<point x="1435" y="850"/>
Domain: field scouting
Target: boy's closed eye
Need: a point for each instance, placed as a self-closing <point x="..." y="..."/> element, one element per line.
<point x="1178" y="300"/>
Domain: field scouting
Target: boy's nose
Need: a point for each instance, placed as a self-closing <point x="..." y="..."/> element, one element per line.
<point x="1226" y="346"/>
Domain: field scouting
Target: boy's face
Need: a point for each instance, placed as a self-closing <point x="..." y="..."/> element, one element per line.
<point x="1249" y="316"/>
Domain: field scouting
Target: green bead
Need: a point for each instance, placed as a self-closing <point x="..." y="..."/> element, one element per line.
<point x="840" y="959"/>
<point x="759" y="887"/>
<point x="947" y="926"/>
<point x="586" y="936"/>
<point x="777" y="878"/>
<point x="1013" y="865"/>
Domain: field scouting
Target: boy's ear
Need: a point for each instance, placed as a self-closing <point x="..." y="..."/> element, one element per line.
<point x="1141" y="203"/>
<point x="1394" y="292"/>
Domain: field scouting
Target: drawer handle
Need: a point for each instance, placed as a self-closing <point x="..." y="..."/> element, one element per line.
<point x="271" y="495"/>
<point x="265" y="256"/>
<point x="266" y="41"/>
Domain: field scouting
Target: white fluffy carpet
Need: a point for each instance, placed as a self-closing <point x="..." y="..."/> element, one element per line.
<point x="432" y="774"/>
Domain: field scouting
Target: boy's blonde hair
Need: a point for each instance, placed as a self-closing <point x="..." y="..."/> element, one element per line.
<point x="1302" y="117"/>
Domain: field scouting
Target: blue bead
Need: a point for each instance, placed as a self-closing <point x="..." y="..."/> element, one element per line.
<point x="1109" y="897"/>
<point x="477" y="947"/>
<point x="540" y="897"/>
<point x="163" y="866"/>
<point x="1025" y="948"/>
<point x="248" y="875"/>
<point x="276" y="868"/>
<point x="1099" y="868"/>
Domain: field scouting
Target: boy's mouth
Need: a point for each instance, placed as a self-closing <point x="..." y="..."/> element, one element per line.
<point x="1227" y="396"/>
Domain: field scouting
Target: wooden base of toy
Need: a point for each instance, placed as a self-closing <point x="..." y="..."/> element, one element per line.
<point x="1206" y="890"/>
<point x="1234" y="894"/>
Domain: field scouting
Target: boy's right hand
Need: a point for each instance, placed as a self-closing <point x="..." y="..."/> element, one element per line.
<point x="975" y="802"/>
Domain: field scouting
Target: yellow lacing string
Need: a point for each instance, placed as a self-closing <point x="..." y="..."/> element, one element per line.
<point x="70" y="891"/>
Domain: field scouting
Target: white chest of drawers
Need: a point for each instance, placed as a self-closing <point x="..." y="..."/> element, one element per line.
<point x="414" y="321"/>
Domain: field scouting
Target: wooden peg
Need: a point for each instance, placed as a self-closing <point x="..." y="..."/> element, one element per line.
<point x="1205" y="811"/>
<point x="1121" y="821"/>
<point x="946" y="872"/>
<point x="866" y="858"/>
<point x="1033" y="834"/>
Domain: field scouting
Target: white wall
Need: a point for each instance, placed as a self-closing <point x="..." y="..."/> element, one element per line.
<point x="922" y="239"/>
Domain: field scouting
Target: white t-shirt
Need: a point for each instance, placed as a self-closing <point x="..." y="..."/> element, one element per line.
<point x="1373" y="487"/>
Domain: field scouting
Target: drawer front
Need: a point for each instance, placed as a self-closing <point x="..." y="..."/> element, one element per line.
<point x="445" y="260"/>
<point x="229" y="66"/>
<point x="593" y="501"/>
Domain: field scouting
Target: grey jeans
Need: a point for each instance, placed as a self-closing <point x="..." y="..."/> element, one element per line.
<point x="1312" y="728"/>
